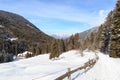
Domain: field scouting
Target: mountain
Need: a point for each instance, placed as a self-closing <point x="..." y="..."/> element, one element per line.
<point x="13" y="25"/>
<point x="61" y="36"/>
<point x="85" y="34"/>
<point x="18" y="35"/>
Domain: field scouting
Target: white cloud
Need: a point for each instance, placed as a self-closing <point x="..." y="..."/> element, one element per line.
<point x="70" y="13"/>
<point x="102" y="15"/>
<point x="57" y="11"/>
<point x="49" y="10"/>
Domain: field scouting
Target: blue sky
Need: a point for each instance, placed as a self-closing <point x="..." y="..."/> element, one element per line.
<point x="61" y="16"/>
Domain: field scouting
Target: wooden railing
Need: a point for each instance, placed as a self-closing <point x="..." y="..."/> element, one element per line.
<point x="90" y="63"/>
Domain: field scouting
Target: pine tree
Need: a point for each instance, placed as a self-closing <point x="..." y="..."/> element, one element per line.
<point x="61" y="46"/>
<point x="33" y="50"/>
<point x="76" y="41"/>
<point x="1" y="57"/>
<point x="81" y="48"/>
<point x="38" y="51"/>
<point x="70" y="43"/>
<point x="54" y="50"/>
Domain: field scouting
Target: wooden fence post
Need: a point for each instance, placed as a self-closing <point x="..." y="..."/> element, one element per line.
<point x="69" y="75"/>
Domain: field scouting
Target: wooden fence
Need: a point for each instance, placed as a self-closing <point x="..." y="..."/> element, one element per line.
<point x="90" y="63"/>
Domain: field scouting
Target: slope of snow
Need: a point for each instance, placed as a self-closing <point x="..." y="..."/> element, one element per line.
<point x="105" y="69"/>
<point x="41" y="68"/>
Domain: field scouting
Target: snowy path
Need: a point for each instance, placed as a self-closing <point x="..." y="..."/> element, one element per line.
<point x="105" y="69"/>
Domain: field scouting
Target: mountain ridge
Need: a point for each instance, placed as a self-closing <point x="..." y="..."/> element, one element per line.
<point x="18" y="35"/>
<point x="61" y="36"/>
<point x="12" y="21"/>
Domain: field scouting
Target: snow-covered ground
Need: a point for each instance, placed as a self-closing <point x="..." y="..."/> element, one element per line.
<point x="41" y="68"/>
<point x="105" y="69"/>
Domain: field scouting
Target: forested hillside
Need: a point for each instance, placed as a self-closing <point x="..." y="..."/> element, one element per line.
<point x="18" y="35"/>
